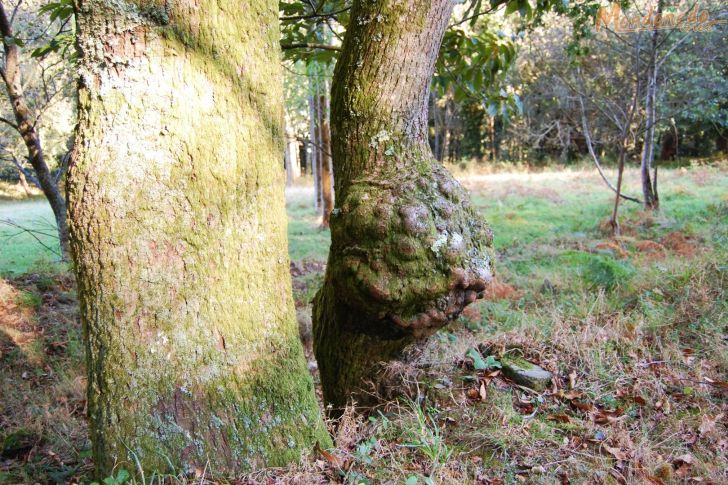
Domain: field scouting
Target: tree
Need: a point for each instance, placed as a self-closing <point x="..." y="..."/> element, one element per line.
<point x="179" y="240"/>
<point x="26" y="125"/>
<point x="408" y="250"/>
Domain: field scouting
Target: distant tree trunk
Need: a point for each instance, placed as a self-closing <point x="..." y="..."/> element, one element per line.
<point x="178" y="228"/>
<point x="408" y="250"/>
<point x="649" y="185"/>
<point x="436" y="115"/>
<point x="721" y="141"/>
<point x="314" y="135"/>
<point x="25" y="125"/>
<point x="447" y="136"/>
<point x="292" y="162"/>
<point x="327" y="176"/>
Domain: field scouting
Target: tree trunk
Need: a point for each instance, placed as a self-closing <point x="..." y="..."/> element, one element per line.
<point x="408" y="251"/>
<point x="327" y="176"/>
<point x="25" y="126"/>
<point x="649" y="187"/>
<point x="291" y="157"/>
<point x="313" y="135"/>
<point x="178" y="231"/>
<point x="447" y="127"/>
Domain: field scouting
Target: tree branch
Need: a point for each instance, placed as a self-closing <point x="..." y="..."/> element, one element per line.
<point x="309" y="45"/>
<point x="314" y="15"/>
<point x="590" y="147"/>
<point x="26" y="172"/>
<point x="8" y="122"/>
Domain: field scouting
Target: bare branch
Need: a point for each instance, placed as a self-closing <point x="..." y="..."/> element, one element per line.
<point x="8" y="122"/>
<point x="314" y="15"/>
<point x="590" y="147"/>
<point x="309" y="45"/>
<point x="33" y="233"/>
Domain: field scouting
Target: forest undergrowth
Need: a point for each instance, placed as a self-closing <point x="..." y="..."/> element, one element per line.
<point x="634" y="330"/>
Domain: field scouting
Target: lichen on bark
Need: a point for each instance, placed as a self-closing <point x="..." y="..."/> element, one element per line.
<point x="178" y="229"/>
<point x="408" y="250"/>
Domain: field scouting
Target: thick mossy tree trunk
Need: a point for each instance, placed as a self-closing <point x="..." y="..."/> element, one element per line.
<point x="408" y="251"/>
<point x="178" y="230"/>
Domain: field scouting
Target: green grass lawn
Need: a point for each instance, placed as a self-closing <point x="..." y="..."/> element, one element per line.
<point x="633" y="330"/>
<point x="28" y="238"/>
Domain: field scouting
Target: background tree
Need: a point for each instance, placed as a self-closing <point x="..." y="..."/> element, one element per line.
<point x="179" y="240"/>
<point x="33" y="85"/>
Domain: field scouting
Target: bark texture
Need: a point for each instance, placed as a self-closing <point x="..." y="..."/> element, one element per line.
<point x="25" y="125"/>
<point x="178" y="232"/>
<point x="409" y="251"/>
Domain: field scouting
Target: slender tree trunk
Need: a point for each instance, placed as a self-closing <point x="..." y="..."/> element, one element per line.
<point x="491" y="126"/>
<point x="314" y="149"/>
<point x="178" y="229"/>
<point x="290" y="157"/>
<point x="408" y="251"/>
<point x="447" y="136"/>
<point x="649" y="189"/>
<point x="25" y="125"/>
<point x="327" y="176"/>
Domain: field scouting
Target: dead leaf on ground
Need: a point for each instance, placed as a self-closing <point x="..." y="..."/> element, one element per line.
<point x="582" y="406"/>
<point x="614" y="247"/>
<point x="616" y="452"/>
<point x="571" y="395"/>
<point x="335" y="461"/>
<point x="560" y="418"/>
<point x="716" y="383"/>
<point x="653" y="480"/>
<point x="651" y="247"/>
<point x="482" y="392"/>
<point x="683" y="462"/>
<point x="707" y="426"/>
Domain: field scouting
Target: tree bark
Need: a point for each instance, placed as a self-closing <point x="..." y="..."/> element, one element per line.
<point x="25" y="126"/>
<point x="408" y="251"/>
<point x="178" y="229"/>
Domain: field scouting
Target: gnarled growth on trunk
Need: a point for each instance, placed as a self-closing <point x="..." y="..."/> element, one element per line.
<point x="408" y="251"/>
<point x="178" y="233"/>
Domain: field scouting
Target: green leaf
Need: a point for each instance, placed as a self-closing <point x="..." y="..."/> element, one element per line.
<point x="122" y="476"/>
<point x="478" y="361"/>
<point x="412" y="480"/>
<point x="14" y="41"/>
<point x="491" y="362"/>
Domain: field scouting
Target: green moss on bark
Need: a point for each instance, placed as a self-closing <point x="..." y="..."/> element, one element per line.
<point x="179" y="240"/>
<point x="408" y="251"/>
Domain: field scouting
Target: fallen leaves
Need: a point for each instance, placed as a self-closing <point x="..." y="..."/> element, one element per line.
<point x="708" y="425"/>
<point x="333" y="460"/>
<point x="616" y="453"/>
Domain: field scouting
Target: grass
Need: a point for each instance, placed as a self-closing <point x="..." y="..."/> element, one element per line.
<point x="633" y="330"/>
<point x="28" y="238"/>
